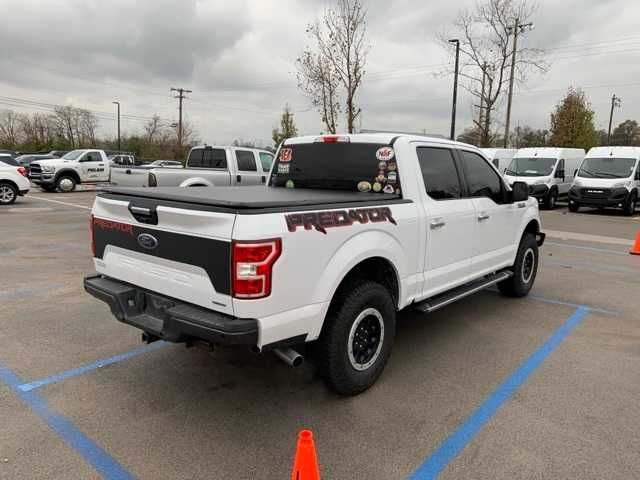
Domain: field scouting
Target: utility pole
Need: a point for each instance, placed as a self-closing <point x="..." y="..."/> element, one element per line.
<point x="118" y="104"/>
<point x="516" y="29"/>
<point x="455" y="88"/>
<point x="181" y="96"/>
<point x="615" y="102"/>
<point x="481" y="116"/>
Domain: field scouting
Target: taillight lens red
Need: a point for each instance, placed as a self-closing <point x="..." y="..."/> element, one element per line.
<point x="252" y="267"/>
<point x="92" y="236"/>
<point x="22" y="171"/>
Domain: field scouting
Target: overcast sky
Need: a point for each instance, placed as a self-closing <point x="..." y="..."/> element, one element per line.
<point x="238" y="58"/>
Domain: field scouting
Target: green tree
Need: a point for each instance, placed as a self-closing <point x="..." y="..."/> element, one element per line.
<point x="287" y="128"/>
<point x="572" y="122"/>
<point x="626" y="134"/>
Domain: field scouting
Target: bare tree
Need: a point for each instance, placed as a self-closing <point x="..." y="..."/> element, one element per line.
<point x="339" y="56"/>
<point x="486" y="47"/>
<point x="9" y="128"/>
<point x="153" y="128"/>
<point x="318" y="80"/>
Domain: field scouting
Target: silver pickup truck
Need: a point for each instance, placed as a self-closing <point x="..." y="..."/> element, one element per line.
<point x="206" y="166"/>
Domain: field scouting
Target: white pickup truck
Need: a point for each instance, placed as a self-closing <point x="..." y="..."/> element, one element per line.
<point x="206" y="166"/>
<point x="75" y="167"/>
<point x="351" y="230"/>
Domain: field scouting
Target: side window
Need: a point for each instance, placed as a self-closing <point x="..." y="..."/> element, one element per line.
<point x="496" y="162"/>
<point x="246" y="161"/>
<point x="482" y="180"/>
<point x="91" y="157"/>
<point x="638" y="171"/>
<point x="215" y="158"/>
<point x="195" y="158"/>
<point x="266" y="160"/>
<point x="439" y="172"/>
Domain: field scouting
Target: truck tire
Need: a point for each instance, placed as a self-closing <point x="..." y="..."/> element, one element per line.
<point x="525" y="269"/>
<point x="357" y="337"/>
<point x="574" y="207"/>
<point x="8" y="193"/>
<point x="66" y="183"/>
<point x="550" y="200"/>
<point x="630" y="207"/>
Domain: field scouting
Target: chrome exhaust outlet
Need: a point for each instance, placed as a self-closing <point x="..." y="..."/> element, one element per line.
<point x="289" y="356"/>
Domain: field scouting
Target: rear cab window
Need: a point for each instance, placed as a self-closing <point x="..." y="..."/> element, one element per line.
<point x="266" y="159"/>
<point x="207" y="158"/>
<point x="246" y="161"/>
<point x="363" y="167"/>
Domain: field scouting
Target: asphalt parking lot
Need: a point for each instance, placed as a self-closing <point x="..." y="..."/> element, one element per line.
<point x="542" y="387"/>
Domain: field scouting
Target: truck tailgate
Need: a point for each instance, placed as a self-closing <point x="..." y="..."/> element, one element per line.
<point x="179" y="250"/>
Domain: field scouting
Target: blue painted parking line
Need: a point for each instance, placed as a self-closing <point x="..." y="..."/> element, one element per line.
<point x="458" y="440"/>
<point x="74" y="372"/>
<point x="99" y="459"/>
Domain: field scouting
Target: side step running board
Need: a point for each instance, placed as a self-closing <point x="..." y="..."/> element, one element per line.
<point x="444" y="299"/>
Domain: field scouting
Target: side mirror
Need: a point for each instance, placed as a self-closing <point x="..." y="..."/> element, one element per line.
<point x="575" y="172"/>
<point x="519" y="192"/>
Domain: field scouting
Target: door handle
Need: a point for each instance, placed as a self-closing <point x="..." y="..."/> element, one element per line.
<point x="238" y="178"/>
<point x="128" y="172"/>
<point x="483" y="216"/>
<point x="264" y="179"/>
<point x="522" y="205"/>
<point x="437" y="223"/>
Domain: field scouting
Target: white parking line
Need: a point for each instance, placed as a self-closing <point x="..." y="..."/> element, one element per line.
<point x="29" y="209"/>
<point x="587" y="238"/>
<point x="58" y="201"/>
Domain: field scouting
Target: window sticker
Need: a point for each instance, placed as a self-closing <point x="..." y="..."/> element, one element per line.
<point x="286" y="155"/>
<point x="392" y="177"/>
<point x="377" y="187"/>
<point x="364" y="186"/>
<point x="392" y="167"/>
<point x="321" y="221"/>
<point x="289" y="184"/>
<point x="384" y="154"/>
<point x="283" y="168"/>
<point x="381" y="178"/>
<point x="389" y="189"/>
<point x="382" y="165"/>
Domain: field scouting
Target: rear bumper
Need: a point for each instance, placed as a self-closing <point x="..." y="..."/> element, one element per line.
<point x="170" y="319"/>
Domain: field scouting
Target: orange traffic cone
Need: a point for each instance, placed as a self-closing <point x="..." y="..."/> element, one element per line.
<point x="635" y="250"/>
<point x="305" y="465"/>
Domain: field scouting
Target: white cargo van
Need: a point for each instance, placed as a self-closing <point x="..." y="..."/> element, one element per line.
<point x="608" y="177"/>
<point x="500" y="157"/>
<point x="548" y="171"/>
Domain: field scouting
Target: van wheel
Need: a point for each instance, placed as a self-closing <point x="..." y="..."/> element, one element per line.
<point x="550" y="200"/>
<point x="357" y="337"/>
<point x="525" y="269"/>
<point x="630" y="207"/>
<point x="8" y="194"/>
<point x="66" y="184"/>
<point x="574" y="207"/>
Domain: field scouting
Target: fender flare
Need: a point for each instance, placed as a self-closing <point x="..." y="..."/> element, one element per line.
<point x="196" y="181"/>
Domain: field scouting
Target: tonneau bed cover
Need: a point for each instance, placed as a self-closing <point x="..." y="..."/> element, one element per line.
<point x="252" y="197"/>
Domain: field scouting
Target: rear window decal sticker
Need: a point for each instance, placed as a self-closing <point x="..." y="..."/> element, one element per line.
<point x="290" y="184"/>
<point x="389" y="189"/>
<point x="286" y="155"/>
<point x="377" y="187"/>
<point x="392" y="177"/>
<point x="283" y="168"/>
<point x="384" y="154"/>
<point x="364" y="186"/>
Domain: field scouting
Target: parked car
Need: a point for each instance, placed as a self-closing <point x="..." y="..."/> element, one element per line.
<point x="608" y="177"/>
<point x="206" y="166"/>
<point x="548" y="171"/>
<point x="13" y="183"/>
<point x="11" y="153"/>
<point x="350" y="230"/>
<point x="26" y="160"/>
<point x="77" y="166"/>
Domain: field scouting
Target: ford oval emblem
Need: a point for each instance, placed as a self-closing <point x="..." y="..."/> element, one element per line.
<point x="147" y="241"/>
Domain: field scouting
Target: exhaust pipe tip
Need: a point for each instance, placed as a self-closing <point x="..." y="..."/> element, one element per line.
<point x="289" y="356"/>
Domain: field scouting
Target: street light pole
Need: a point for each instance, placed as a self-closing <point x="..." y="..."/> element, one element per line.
<point x="455" y="88"/>
<point x="516" y="29"/>
<point x="118" y="104"/>
<point x="615" y="102"/>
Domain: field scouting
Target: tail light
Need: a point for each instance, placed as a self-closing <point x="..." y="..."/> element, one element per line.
<point x="92" y="238"/>
<point x="252" y="265"/>
<point x="22" y="171"/>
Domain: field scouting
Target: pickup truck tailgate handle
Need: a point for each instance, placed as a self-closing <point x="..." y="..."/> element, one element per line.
<point x="144" y="214"/>
<point x="483" y="216"/>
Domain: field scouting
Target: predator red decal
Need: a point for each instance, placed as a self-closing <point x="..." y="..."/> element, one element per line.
<point x="320" y="221"/>
<point x="110" y="225"/>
